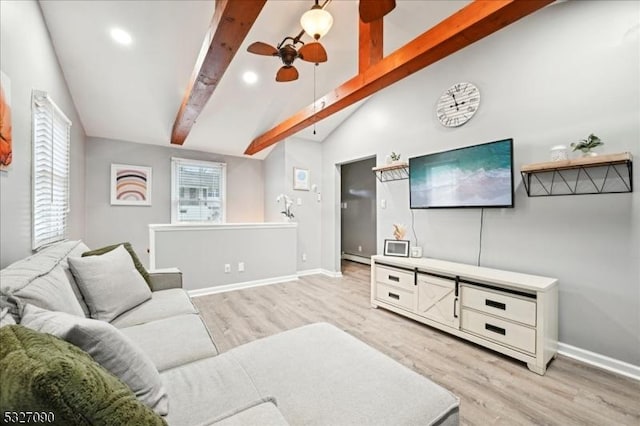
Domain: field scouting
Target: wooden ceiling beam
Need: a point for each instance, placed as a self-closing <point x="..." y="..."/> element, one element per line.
<point x="230" y="24"/>
<point x="470" y="24"/>
<point x="370" y="41"/>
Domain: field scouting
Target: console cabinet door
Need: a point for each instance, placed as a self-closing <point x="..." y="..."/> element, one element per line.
<point x="437" y="300"/>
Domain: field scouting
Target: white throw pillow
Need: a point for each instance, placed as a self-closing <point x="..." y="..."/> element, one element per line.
<point x="108" y="347"/>
<point x="110" y="283"/>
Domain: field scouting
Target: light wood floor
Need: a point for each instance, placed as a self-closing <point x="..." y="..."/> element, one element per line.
<point x="493" y="389"/>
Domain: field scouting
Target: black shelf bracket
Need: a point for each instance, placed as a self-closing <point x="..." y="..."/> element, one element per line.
<point x="604" y="178"/>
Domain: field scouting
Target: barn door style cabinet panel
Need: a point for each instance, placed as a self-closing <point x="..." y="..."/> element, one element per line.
<point x="512" y="313"/>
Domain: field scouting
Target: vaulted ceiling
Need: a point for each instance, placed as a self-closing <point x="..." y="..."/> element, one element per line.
<point x="133" y="92"/>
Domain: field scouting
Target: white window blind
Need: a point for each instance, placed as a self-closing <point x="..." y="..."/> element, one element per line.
<point x="51" y="138"/>
<point x="197" y="191"/>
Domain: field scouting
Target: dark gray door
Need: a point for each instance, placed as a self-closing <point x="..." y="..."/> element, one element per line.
<point x="358" y="196"/>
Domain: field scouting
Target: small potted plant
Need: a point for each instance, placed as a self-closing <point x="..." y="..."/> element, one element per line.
<point x="586" y="145"/>
<point x="393" y="159"/>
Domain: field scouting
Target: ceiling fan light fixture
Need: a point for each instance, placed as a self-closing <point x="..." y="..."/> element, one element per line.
<point x="316" y="22"/>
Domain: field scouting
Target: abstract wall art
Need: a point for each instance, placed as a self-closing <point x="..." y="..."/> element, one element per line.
<point x="6" y="151"/>
<point x="130" y="185"/>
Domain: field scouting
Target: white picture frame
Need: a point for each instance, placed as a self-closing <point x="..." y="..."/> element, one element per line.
<point x="301" y="179"/>
<point x="131" y="185"/>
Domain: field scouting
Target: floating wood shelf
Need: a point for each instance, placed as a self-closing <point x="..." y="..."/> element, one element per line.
<point x="392" y="172"/>
<point x="603" y="174"/>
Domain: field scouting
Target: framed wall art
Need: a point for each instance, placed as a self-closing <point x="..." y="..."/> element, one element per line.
<point x="130" y="185"/>
<point x="301" y="179"/>
<point x="6" y="150"/>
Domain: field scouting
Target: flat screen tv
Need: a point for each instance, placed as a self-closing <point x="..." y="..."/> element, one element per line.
<point x="473" y="176"/>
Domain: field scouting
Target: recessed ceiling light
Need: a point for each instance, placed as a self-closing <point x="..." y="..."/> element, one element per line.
<point x="250" y="77"/>
<point x="121" y="36"/>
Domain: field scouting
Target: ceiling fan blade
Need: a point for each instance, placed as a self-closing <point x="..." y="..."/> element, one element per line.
<point x="287" y="73"/>
<point x="371" y="10"/>
<point x="260" y="48"/>
<point x="313" y="52"/>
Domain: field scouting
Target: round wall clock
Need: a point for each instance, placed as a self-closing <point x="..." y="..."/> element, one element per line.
<point x="457" y="104"/>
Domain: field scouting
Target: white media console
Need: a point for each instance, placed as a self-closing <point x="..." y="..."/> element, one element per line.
<point x="512" y="313"/>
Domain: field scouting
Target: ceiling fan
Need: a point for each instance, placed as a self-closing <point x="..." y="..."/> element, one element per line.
<point x="316" y="22"/>
<point x="288" y="52"/>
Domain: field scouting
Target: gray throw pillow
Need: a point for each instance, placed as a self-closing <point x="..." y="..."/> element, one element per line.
<point x="109" y="283"/>
<point x="108" y="347"/>
<point x="6" y="318"/>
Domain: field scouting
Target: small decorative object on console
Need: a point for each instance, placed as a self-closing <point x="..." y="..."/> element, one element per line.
<point x="399" y="231"/>
<point x="398" y="248"/>
<point x="416" y="251"/>
<point x="586" y="145"/>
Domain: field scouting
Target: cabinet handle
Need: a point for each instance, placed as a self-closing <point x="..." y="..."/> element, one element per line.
<point x="495" y="304"/>
<point x="394" y="296"/>
<point x="495" y="329"/>
<point x="455" y="302"/>
<point x="394" y="278"/>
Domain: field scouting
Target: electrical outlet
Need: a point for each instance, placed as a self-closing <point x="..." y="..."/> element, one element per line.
<point x="304" y="257"/>
<point x="240" y="266"/>
<point x="227" y="268"/>
<point x="319" y="197"/>
<point x="359" y="248"/>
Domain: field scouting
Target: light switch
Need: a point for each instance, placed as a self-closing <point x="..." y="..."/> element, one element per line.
<point x="299" y="201"/>
<point x="383" y="204"/>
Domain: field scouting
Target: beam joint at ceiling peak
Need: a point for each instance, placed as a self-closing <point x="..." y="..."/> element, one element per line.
<point x="468" y="25"/>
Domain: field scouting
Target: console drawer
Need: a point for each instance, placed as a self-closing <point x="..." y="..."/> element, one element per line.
<point x="395" y="296"/>
<point x="395" y="277"/>
<point x="501" y="331"/>
<point x="499" y="304"/>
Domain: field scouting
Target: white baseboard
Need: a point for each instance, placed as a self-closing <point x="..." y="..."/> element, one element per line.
<point x="331" y="274"/>
<point x="354" y="258"/>
<point x="600" y="361"/>
<point x="309" y="272"/>
<point x="240" y="286"/>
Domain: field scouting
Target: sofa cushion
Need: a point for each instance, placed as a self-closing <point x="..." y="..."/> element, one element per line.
<point x="6" y="318"/>
<point x="163" y="304"/>
<point x="321" y="375"/>
<point x="108" y="347"/>
<point x="109" y="283"/>
<point x="41" y="280"/>
<point x="43" y="373"/>
<point x="174" y="341"/>
<point x="262" y="413"/>
<point x="204" y="390"/>
<point x="134" y="257"/>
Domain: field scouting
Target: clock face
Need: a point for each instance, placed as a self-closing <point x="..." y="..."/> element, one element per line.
<point x="457" y="104"/>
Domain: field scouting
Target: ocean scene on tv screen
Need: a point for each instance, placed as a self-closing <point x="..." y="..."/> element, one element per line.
<point x="474" y="176"/>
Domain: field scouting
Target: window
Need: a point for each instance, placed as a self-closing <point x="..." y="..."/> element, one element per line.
<point x="51" y="138"/>
<point x="197" y="191"/>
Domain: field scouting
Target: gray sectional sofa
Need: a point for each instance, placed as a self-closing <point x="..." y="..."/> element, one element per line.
<point x="313" y="375"/>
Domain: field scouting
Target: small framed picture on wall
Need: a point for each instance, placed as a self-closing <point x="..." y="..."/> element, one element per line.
<point x="130" y="185"/>
<point x="301" y="179"/>
<point x="398" y="248"/>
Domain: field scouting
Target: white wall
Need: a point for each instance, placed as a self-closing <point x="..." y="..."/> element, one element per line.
<point x="552" y="78"/>
<point x="28" y="58"/>
<point x="274" y="183"/>
<point x="107" y="224"/>
<point x="278" y="168"/>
